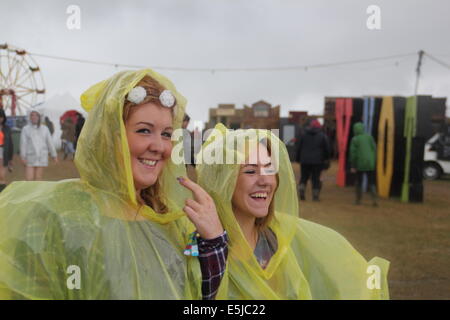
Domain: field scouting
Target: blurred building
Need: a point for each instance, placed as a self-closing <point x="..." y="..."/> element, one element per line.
<point x="260" y="115"/>
<point x="226" y="114"/>
<point x="298" y="117"/>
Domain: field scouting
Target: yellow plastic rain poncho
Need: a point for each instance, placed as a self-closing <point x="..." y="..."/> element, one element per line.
<point x="311" y="261"/>
<point x="53" y="232"/>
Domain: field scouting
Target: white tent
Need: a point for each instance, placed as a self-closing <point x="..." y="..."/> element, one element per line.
<point x="55" y="107"/>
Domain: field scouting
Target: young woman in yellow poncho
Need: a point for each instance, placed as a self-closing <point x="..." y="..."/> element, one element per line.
<point x="273" y="254"/>
<point x="117" y="232"/>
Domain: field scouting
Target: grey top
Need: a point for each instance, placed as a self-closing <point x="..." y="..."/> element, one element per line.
<point x="266" y="247"/>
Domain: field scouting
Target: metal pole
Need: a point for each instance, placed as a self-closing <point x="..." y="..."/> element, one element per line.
<point x="419" y="64"/>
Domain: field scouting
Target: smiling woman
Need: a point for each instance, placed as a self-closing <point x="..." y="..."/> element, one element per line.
<point x="149" y="127"/>
<point x="255" y="187"/>
<point x="273" y="253"/>
<point x="121" y="224"/>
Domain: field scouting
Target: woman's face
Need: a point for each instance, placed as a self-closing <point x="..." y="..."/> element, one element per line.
<point x="256" y="185"/>
<point x="34" y="117"/>
<point x="149" y="131"/>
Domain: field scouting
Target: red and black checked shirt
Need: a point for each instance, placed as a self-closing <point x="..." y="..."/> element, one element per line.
<point x="213" y="258"/>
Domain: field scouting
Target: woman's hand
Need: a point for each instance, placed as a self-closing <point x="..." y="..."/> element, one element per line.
<point x="202" y="210"/>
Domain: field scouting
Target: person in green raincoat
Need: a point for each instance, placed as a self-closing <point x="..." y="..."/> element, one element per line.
<point x="273" y="254"/>
<point x="119" y="231"/>
<point x="362" y="158"/>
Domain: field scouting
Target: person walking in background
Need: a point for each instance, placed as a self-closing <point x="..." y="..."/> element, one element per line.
<point x="79" y="125"/>
<point x="313" y="153"/>
<point x="6" y="149"/>
<point x="68" y="137"/>
<point x="362" y="161"/>
<point x="35" y="145"/>
<point x="49" y="125"/>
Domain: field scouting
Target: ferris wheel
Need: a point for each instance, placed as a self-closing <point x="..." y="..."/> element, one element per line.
<point x="21" y="83"/>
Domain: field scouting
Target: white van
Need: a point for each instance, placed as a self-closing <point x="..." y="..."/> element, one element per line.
<point x="433" y="167"/>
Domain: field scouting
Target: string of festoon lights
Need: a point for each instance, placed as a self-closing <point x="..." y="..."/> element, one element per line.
<point x="247" y="69"/>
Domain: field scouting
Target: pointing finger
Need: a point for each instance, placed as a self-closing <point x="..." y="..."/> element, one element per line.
<point x="199" y="194"/>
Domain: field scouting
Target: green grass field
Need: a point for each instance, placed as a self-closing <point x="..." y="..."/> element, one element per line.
<point x="415" y="238"/>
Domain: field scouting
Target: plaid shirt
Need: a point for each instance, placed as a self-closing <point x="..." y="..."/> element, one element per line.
<point x="212" y="257"/>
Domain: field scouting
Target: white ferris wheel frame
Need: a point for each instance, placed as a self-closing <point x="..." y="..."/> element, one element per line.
<point x="20" y="76"/>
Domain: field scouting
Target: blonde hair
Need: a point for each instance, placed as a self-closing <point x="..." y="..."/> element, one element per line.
<point x="152" y="195"/>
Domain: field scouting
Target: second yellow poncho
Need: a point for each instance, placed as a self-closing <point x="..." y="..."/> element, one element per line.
<point x="311" y="262"/>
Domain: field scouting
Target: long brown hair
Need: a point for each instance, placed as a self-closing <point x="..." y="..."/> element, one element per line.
<point x="152" y="195"/>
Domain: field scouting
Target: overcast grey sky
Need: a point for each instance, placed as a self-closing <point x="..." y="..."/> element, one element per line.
<point x="239" y="34"/>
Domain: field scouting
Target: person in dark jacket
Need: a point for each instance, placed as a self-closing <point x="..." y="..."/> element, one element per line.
<point x="313" y="152"/>
<point x="6" y="149"/>
<point x="363" y="152"/>
<point x="79" y="125"/>
<point x="50" y="125"/>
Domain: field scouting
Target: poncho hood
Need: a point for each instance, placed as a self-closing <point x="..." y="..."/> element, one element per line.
<point x="103" y="157"/>
<point x="310" y="262"/>
<point x="358" y="128"/>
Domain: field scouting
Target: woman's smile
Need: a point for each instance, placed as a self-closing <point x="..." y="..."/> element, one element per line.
<point x="149" y="129"/>
<point x="148" y="163"/>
